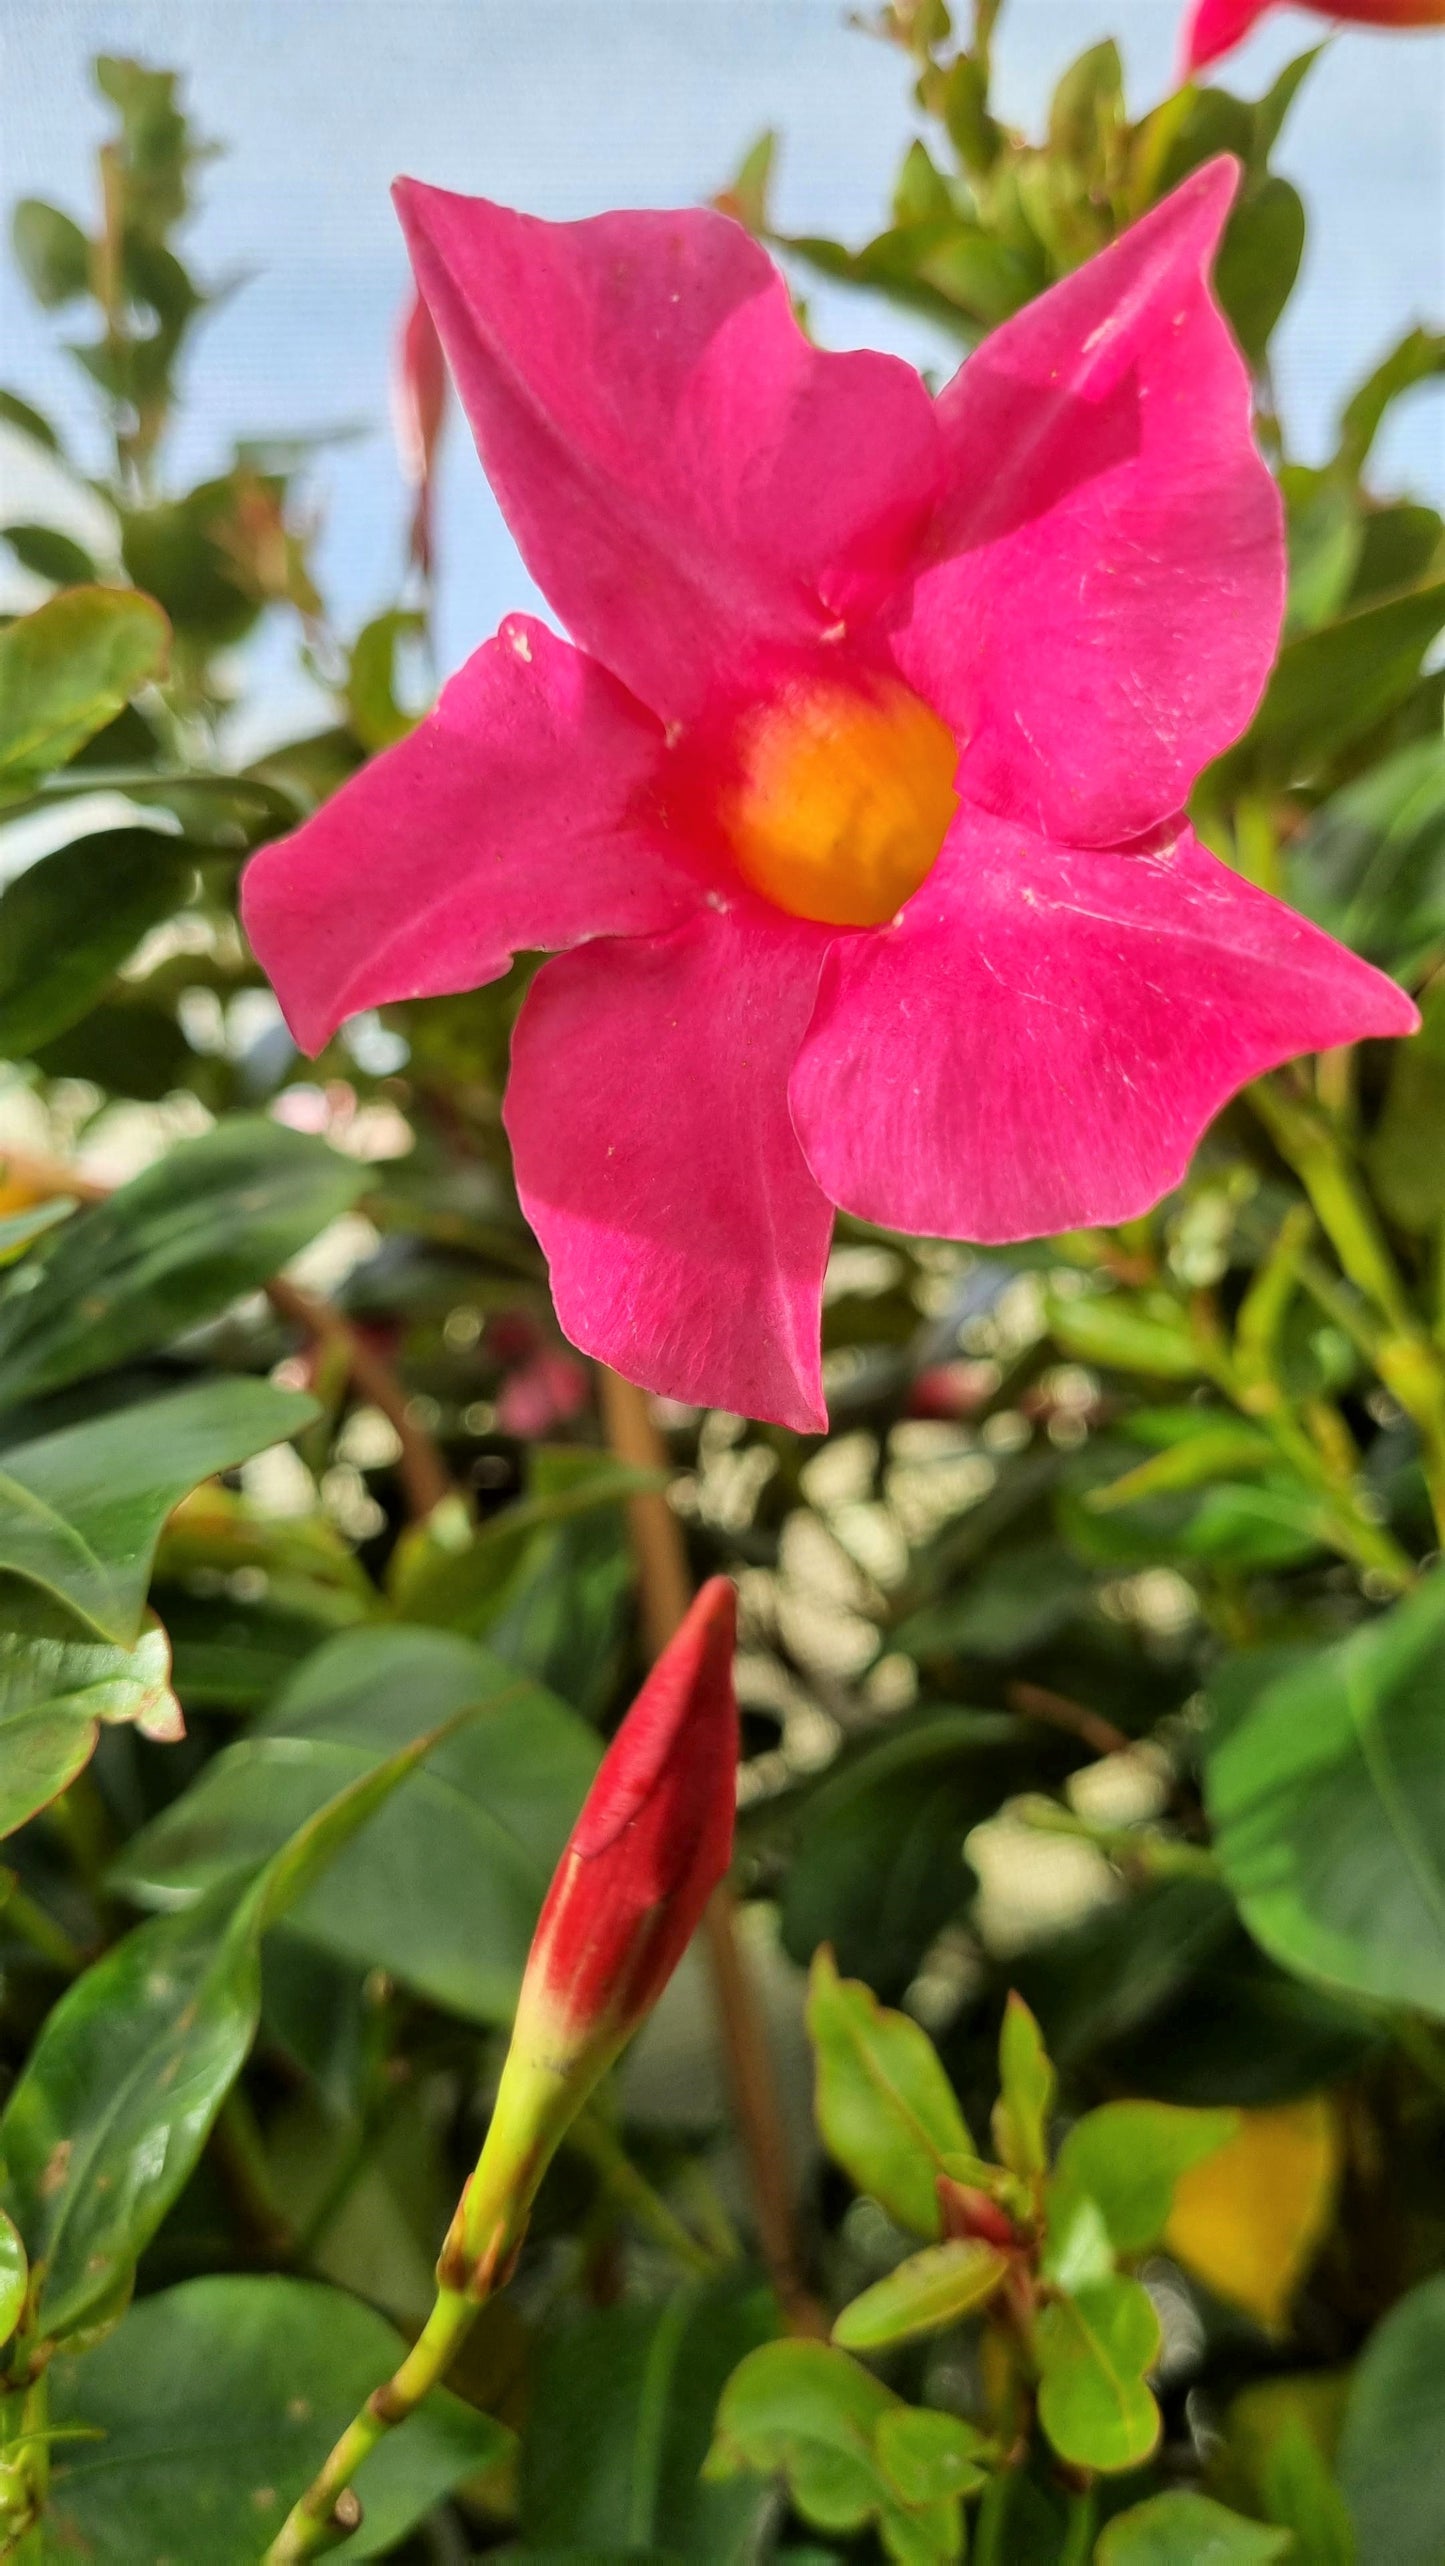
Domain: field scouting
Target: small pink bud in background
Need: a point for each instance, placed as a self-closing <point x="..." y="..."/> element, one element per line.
<point x="653" y="1840"/>
<point x="418" y="413"/>
<point x="1215" y="27"/>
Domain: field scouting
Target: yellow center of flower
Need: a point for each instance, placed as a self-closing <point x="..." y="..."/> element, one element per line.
<point x="840" y="800"/>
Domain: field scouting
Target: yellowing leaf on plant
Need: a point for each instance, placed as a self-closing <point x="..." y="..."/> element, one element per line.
<point x="1247" y="2221"/>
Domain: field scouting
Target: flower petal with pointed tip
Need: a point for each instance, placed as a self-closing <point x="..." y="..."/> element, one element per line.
<point x="686" y="476"/>
<point x="510" y="818"/>
<point x="1101" y="593"/>
<point x="1215" y="27"/>
<point x="1039" y="1042"/>
<point x="656" y="1161"/>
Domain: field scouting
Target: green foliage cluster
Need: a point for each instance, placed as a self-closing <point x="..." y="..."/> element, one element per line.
<point x="1094" y="1665"/>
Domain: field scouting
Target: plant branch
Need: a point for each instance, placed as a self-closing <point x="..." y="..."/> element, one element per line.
<point x="665" y="1593"/>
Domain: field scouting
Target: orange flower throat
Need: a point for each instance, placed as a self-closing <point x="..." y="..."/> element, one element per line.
<point x="840" y="800"/>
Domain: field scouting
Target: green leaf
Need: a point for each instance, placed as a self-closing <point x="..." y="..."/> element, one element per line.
<point x="68" y="922"/>
<point x="212" y="1219"/>
<point x="20" y="1230"/>
<point x="620" y="2420"/>
<point x="54" y="1695"/>
<point x="1093" y="2350"/>
<point x="807" y="2412"/>
<point x="1127" y="2157"/>
<point x="1329" y="1812"/>
<point x="445" y="1893"/>
<point x="1331" y="686"/>
<point x="929" y="2456"/>
<point x="1406" y="1161"/>
<point x="1418" y="358"/>
<point x="117" y="2097"/>
<point x="66" y="670"/>
<point x="1371" y="864"/>
<point x="1026" y="2093"/>
<point x="1130" y="1331"/>
<point x="218" y="2401"/>
<point x="885" y="2107"/>
<point x="1182" y="2529"/>
<point x="1391" y="2460"/>
<point x="172" y="549"/>
<point x="14" y="2277"/>
<point x="51" y="555"/>
<point x="81" y="1511"/>
<point x="1259" y="261"/>
<point x="375" y="715"/>
<point x="52" y="252"/>
<point x="27" y="422"/>
<point x="930" y="2290"/>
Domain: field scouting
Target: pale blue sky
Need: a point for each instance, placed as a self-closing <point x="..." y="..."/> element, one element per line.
<point x="566" y="106"/>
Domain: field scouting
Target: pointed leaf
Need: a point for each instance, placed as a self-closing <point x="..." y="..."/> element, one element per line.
<point x="1392" y="2450"/>
<point x="1188" y="2530"/>
<point x="54" y="1694"/>
<point x="70" y="921"/>
<point x="885" y="2107"/>
<point x="932" y="2289"/>
<point x="66" y="670"/>
<point x="1128" y="2158"/>
<point x="1026" y="2080"/>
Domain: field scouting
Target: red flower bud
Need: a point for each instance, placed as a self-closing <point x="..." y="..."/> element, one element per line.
<point x="1215" y="27"/>
<point x="968" y="2212"/>
<point x="418" y="409"/>
<point x="653" y="1841"/>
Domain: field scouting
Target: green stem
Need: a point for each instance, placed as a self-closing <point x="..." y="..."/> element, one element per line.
<point x="328" y="2511"/>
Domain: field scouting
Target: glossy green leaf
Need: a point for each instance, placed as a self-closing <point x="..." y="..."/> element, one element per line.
<point x="1391" y="2460"/>
<point x="81" y="1510"/>
<point x="1370" y="865"/>
<point x="620" y="2422"/>
<point x="66" y="670"/>
<point x="1183" y="2529"/>
<point x="70" y="921"/>
<point x="1026" y="2092"/>
<point x="212" y="1219"/>
<point x="445" y="1893"/>
<point x="218" y="2401"/>
<point x="885" y="2107"/>
<point x="1127" y="2157"/>
<point x="54" y="1695"/>
<point x="1094" y="2349"/>
<point x="115" y="2102"/>
<point x="808" y="2413"/>
<point x="1259" y="260"/>
<point x="1331" y="686"/>
<point x="929" y="2456"/>
<point x="930" y="2290"/>
<point x="1328" y="1804"/>
<point x="14" y="2277"/>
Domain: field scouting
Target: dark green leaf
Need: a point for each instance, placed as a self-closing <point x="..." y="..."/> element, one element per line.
<point x="1392" y="2450"/>
<point x="445" y="1893"/>
<point x="218" y="2402"/>
<point x="66" y="670"/>
<point x="1259" y="261"/>
<point x="1406" y="1160"/>
<point x="212" y="1219"/>
<point x="18" y="414"/>
<point x="376" y="716"/>
<point x="51" y="555"/>
<point x="1331" y="686"/>
<point x="81" y="1511"/>
<point x="1328" y="1803"/>
<point x="1418" y="358"/>
<point x="173" y="550"/>
<point x="1371" y="865"/>
<point x="68" y="923"/>
<point x="621" y="2419"/>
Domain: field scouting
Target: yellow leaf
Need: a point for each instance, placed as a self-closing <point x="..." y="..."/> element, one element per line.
<point x="1249" y="2218"/>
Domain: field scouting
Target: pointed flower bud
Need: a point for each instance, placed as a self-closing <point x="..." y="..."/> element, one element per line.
<point x="418" y="410"/>
<point x="652" y="1842"/>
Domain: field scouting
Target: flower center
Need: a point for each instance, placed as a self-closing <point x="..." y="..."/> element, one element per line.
<point x="840" y="799"/>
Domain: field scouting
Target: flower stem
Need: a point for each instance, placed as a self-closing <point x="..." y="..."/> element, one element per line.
<point x="665" y="1591"/>
<point x="591" y="2138"/>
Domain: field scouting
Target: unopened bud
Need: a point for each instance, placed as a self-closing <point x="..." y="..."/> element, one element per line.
<point x="418" y="409"/>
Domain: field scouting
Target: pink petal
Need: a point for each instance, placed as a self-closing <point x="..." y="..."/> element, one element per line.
<point x="1215" y="27"/>
<point x="508" y="820"/>
<point x="1041" y="1040"/>
<point x="657" y="1163"/>
<point x="1109" y="569"/>
<point x="685" y="475"/>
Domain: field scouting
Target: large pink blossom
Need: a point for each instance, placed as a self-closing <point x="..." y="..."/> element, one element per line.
<point x="1214" y="27"/>
<point x="857" y="798"/>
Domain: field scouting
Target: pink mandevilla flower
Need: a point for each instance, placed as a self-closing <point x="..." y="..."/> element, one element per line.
<point x="1215" y="27"/>
<point x="856" y="799"/>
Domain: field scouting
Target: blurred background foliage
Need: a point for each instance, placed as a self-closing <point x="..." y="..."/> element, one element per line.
<point x="1097" y="1653"/>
